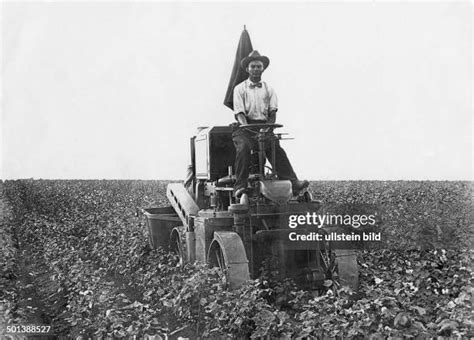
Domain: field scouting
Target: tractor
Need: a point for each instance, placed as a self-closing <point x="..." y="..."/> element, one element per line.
<point x="240" y="235"/>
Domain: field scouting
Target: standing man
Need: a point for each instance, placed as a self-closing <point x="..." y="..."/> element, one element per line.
<point x="256" y="102"/>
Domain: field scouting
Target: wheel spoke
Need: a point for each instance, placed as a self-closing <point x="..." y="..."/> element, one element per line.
<point x="325" y="259"/>
<point x="329" y="262"/>
<point x="179" y="251"/>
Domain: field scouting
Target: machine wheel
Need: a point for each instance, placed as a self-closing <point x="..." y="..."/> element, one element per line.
<point x="228" y="253"/>
<point x="340" y="265"/>
<point x="347" y="267"/>
<point x="178" y="244"/>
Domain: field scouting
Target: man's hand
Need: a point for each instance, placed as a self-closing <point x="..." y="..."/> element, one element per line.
<point x="272" y="115"/>
<point x="241" y="118"/>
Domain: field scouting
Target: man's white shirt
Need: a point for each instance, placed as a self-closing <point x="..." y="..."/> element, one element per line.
<point x="254" y="101"/>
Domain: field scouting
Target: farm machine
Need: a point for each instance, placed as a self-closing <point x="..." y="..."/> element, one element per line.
<point x="208" y="224"/>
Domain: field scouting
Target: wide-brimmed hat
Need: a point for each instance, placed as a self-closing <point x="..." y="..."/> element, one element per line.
<point x="254" y="55"/>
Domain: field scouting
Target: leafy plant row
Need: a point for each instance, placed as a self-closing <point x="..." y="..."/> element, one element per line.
<point x="414" y="214"/>
<point x="105" y="281"/>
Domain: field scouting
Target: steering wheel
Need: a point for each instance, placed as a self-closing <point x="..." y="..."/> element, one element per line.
<point x="261" y="126"/>
<point x="265" y="128"/>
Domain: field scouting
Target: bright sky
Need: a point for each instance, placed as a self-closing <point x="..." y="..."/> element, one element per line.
<point x="374" y="90"/>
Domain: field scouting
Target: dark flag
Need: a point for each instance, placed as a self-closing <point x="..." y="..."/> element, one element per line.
<point x="238" y="74"/>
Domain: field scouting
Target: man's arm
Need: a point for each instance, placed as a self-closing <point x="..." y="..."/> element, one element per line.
<point x="239" y="107"/>
<point x="241" y="118"/>
<point x="273" y="107"/>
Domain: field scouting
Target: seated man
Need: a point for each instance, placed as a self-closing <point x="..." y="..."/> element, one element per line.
<point x="256" y="102"/>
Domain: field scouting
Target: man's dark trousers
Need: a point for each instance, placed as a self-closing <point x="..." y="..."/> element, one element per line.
<point x="244" y="142"/>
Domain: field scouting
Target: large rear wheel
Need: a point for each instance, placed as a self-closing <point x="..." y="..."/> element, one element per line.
<point x="227" y="252"/>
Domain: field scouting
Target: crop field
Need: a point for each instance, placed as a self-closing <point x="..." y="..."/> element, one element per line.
<point x="75" y="256"/>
